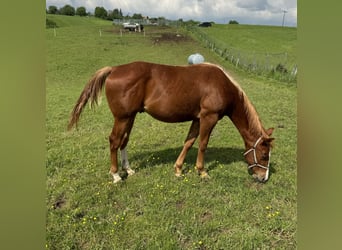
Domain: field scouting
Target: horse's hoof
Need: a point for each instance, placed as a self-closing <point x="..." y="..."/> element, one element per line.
<point x="130" y="171"/>
<point x="117" y="181"/>
<point x="204" y="175"/>
<point x="116" y="177"/>
<point x="178" y="174"/>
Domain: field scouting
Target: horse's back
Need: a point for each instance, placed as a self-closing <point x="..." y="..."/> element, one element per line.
<point x="168" y="93"/>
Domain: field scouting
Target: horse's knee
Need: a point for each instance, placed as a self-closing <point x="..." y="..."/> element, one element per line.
<point x="113" y="143"/>
<point x="111" y="139"/>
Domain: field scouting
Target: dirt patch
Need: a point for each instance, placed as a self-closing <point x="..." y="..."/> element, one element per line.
<point x="206" y="216"/>
<point x="180" y="204"/>
<point x="171" y="37"/>
<point x="158" y="34"/>
<point x="59" y="203"/>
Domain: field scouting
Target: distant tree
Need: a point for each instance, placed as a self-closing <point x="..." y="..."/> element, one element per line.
<point x="161" y="20"/>
<point x="115" y="14"/>
<point x="110" y="14"/>
<point x="137" y="16"/>
<point x="81" y="11"/>
<point x="153" y="20"/>
<point x="67" y="10"/>
<point x="101" y="12"/>
<point x="233" y="22"/>
<point x="191" y="22"/>
<point x="52" y="10"/>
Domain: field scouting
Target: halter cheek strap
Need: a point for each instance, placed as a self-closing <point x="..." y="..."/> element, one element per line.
<point x="256" y="164"/>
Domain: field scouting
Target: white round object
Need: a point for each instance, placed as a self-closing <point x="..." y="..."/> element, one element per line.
<point x="195" y="59"/>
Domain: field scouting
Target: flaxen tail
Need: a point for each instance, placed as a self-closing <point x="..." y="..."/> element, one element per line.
<point x="91" y="91"/>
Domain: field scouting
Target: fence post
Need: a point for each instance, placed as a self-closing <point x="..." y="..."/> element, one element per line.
<point x="294" y="71"/>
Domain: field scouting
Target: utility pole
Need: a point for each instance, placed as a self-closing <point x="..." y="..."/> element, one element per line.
<point x="284" y="17"/>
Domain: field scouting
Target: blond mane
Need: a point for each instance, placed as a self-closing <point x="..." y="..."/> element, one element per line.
<point x="254" y="122"/>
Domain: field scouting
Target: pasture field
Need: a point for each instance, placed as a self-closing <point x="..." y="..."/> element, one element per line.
<point x="263" y="50"/>
<point x="153" y="209"/>
<point x="258" y="39"/>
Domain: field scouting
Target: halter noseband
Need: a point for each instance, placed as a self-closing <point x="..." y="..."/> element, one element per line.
<point x="256" y="164"/>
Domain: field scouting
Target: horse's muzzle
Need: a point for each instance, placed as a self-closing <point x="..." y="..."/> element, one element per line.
<point x="260" y="178"/>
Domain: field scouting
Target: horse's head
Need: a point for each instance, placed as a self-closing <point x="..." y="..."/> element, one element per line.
<point x="258" y="157"/>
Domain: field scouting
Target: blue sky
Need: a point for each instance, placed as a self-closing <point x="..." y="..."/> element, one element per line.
<point x="262" y="12"/>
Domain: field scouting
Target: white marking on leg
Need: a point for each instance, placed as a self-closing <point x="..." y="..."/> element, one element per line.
<point x="125" y="163"/>
<point x="116" y="177"/>
<point x="124" y="158"/>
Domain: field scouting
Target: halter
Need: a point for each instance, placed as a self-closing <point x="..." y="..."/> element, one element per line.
<point x="256" y="164"/>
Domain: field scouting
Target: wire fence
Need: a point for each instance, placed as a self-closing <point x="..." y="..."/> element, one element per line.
<point x="274" y="65"/>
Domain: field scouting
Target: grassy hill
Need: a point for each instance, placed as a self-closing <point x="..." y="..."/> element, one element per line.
<point x="70" y="21"/>
<point x="255" y="38"/>
<point x="153" y="209"/>
<point x="262" y="50"/>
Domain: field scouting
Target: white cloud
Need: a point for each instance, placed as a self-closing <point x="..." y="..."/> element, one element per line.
<point x="264" y="12"/>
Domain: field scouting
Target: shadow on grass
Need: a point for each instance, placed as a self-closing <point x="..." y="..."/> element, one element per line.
<point x="214" y="156"/>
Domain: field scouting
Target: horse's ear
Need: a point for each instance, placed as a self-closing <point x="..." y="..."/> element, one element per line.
<point x="267" y="141"/>
<point x="269" y="131"/>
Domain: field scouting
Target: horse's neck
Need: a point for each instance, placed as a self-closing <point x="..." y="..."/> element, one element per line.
<point x="246" y="120"/>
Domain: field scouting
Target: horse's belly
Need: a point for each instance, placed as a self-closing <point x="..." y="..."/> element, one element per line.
<point x="169" y="114"/>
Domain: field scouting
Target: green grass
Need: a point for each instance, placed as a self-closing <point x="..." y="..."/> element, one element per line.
<point x="72" y="21"/>
<point x="259" y="49"/>
<point x="153" y="209"/>
<point x="256" y="39"/>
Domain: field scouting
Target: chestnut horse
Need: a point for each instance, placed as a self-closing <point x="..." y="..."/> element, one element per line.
<point x="201" y="93"/>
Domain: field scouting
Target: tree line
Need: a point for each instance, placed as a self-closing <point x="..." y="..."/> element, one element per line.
<point x="99" y="12"/>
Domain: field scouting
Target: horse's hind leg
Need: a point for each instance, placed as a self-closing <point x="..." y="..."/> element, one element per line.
<point x="119" y="139"/>
<point x="123" y="150"/>
<point x="189" y="141"/>
<point x="125" y="163"/>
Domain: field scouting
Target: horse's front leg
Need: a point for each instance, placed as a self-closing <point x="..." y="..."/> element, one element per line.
<point x="189" y="141"/>
<point x="208" y="122"/>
